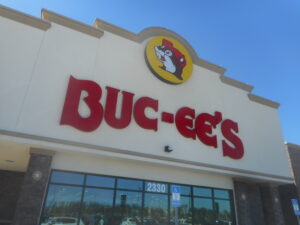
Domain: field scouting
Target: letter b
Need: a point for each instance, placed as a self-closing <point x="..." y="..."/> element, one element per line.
<point x="70" y="115"/>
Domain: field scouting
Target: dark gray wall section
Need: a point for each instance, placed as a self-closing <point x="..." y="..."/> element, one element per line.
<point x="33" y="190"/>
<point x="248" y="203"/>
<point x="258" y="204"/>
<point x="288" y="192"/>
<point x="272" y="205"/>
<point x="294" y="153"/>
<point x="10" y="188"/>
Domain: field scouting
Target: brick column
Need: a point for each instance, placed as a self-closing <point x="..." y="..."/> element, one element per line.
<point x="34" y="187"/>
<point x="248" y="203"/>
<point x="272" y="205"/>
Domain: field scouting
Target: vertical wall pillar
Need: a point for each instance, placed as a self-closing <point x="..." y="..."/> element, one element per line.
<point x="34" y="187"/>
<point x="10" y="188"/>
<point x="288" y="192"/>
<point x="272" y="205"/>
<point x="294" y="153"/>
<point x="248" y="203"/>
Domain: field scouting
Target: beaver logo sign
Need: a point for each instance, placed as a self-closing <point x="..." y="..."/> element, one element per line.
<point x="169" y="60"/>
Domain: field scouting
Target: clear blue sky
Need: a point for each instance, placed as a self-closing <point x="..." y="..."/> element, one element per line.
<point x="257" y="41"/>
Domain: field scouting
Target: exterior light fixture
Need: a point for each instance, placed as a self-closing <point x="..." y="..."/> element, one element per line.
<point x="168" y="149"/>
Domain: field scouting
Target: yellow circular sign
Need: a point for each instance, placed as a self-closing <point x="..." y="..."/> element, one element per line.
<point x="169" y="60"/>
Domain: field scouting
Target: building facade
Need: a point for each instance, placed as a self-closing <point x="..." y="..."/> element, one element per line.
<point x="99" y="125"/>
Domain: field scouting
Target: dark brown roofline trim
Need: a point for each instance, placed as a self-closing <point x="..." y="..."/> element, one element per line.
<point x="263" y="101"/>
<point x="235" y="83"/>
<point x="24" y="18"/>
<point x="70" y="23"/>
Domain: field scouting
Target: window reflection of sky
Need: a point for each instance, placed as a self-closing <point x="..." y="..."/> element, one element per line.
<point x="100" y="196"/>
<point x="221" y="194"/>
<point x="63" y="194"/>
<point x="130" y="184"/>
<point x="204" y="192"/>
<point x="100" y="181"/>
<point x="184" y="190"/>
<point x="67" y="178"/>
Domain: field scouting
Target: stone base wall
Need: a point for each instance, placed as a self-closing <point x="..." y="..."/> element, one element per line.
<point x="248" y="203"/>
<point x="33" y="190"/>
<point x="264" y="204"/>
<point x="10" y="188"/>
<point x="294" y="153"/>
<point x="288" y="192"/>
<point x="271" y="205"/>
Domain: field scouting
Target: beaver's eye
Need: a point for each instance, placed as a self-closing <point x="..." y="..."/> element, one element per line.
<point x="168" y="52"/>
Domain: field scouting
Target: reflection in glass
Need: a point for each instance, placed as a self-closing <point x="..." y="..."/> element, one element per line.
<point x="97" y="206"/>
<point x="203" y="212"/>
<point x="84" y="199"/>
<point x="221" y="194"/>
<point x="128" y="208"/>
<point x="67" y="178"/>
<point x="100" y="181"/>
<point x="223" y="211"/>
<point x="155" y="209"/>
<point x="130" y="184"/>
<point x="62" y="203"/>
<point x="204" y="192"/>
<point x="184" y="212"/>
<point x="184" y="190"/>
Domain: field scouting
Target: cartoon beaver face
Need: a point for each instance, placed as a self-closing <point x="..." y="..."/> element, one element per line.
<point x="173" y="60"/>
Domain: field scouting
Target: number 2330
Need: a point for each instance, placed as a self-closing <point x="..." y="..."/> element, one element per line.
<point x="156" y="187"/>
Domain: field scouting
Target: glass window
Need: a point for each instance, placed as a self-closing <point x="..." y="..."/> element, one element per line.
<point x="204" y="192"/>
<point x="223" y="212"/>
<point x="130" y="184"/>
<point x="84" y="199"/>
<point x="67" y="178"/>
<point x="155" y="209"/>
<point x="221" y="194"/>
<point x="97" y="206"/>
<point x="62" y="203"/>
<point x="184" y="212"/>
<point x="203" y="211"/>
<point x="128" y="208"/>
<point x="184" y="190"/>
<point x="100" y="181"/>
<point x="156" y="187"/>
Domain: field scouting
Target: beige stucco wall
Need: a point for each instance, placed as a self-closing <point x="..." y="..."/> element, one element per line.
<point x="35" y="68"/>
